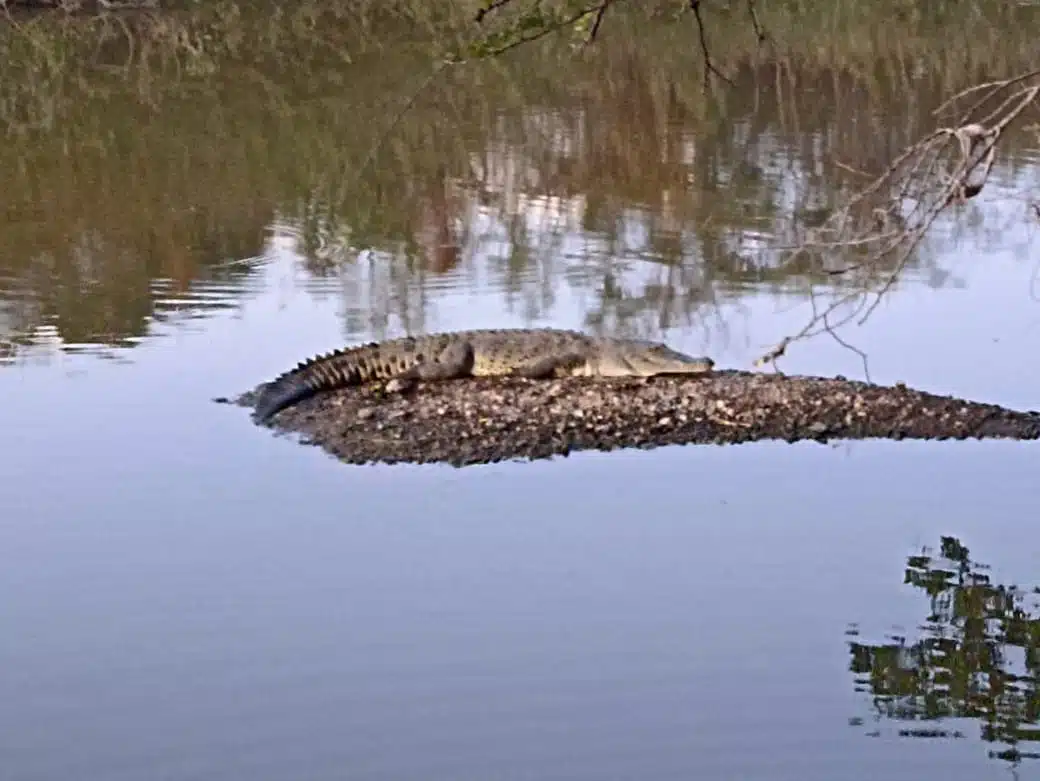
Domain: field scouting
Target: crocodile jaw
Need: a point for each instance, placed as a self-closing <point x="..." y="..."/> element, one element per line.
<point x="647" y="361"/>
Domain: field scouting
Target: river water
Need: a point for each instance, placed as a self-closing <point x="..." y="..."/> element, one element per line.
<point x="187" y="596"/>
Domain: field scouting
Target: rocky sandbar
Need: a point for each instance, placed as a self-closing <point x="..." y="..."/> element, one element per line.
<point x="482" y="420"/>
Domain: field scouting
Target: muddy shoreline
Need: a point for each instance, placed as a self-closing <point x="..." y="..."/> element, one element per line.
<point x="483" y="420"/>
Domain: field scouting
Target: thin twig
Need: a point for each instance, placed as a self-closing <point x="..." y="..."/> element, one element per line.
<point x="760" y="34"/>
<point x="596" y="23"/>
<point x="849" y="168"/>
<point x="862" y="355"/>
<point x="408" y="103"/>
<point x="709" y="67"/>
<point x="489" y="8"/>
<point x="993" y="86"/>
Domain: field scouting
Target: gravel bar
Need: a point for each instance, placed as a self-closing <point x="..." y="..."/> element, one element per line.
<point x="484" y="420"/>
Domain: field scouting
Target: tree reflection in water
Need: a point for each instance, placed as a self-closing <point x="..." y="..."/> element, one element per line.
<point x="977" y="657"/>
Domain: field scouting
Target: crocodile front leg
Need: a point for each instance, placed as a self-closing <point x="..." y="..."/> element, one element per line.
<point x="563" y="365"/>
<point x="453" y="362"/>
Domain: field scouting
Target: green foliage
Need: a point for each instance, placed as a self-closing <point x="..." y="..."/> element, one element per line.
<point x="531" y="22"/>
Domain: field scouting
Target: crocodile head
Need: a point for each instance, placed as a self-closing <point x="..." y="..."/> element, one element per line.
<point x="646" y="359"/>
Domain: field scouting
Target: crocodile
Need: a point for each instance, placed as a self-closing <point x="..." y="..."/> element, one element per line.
<point x="532" y="353"/>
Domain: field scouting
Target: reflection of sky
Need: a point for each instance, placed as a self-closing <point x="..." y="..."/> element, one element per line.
<point x="186" y="595"/>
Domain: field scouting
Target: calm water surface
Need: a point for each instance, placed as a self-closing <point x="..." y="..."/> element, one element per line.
<point x="186" y="596"/>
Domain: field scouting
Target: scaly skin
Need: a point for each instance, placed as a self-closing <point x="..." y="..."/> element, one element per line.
<point x="532" y="353"/>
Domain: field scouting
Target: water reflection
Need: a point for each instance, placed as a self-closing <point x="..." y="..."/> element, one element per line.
<point x="609" y="175"/>
<point x="977" y="657"/>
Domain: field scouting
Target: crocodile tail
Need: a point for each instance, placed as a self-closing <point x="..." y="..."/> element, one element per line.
<point x="306" y="380"/>
<point x="280" y="394"/>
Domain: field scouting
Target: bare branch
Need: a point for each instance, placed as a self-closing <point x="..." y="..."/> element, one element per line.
<point x="709" y="67"/>
<point x="488" y="8"/>
<point x="596" y="23"/>
<point x="885" y="222"/>
<point x="760" y="34"/>
<point x="990" y="87"/>
<point x="862" y="355"/>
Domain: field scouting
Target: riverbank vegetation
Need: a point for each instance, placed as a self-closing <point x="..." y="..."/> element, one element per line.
<point x="174" y="139"/>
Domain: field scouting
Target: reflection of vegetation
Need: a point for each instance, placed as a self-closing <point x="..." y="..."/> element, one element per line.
<point x="962" y="667"/>
<point x="162" y="144"/>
